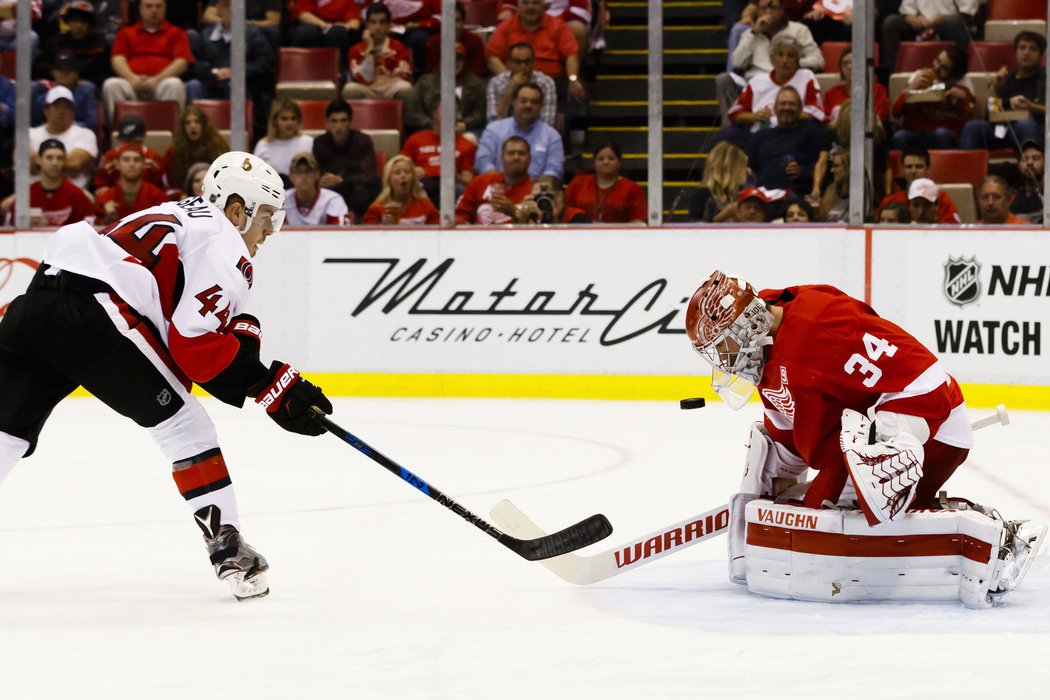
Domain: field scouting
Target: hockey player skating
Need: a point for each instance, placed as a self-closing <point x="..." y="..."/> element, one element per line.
<point x="139" y="312"/>
<point x="876" y="415"/>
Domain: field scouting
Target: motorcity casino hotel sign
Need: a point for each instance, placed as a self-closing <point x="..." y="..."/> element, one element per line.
<point x="507" y="312"/>
<point x="992" y="301"/>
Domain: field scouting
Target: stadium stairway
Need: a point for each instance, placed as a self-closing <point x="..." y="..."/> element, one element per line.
<point x="694" y="53"/>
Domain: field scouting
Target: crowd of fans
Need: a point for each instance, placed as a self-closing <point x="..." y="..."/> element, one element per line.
<point x="780" y="155"/>
<point x="783" y="150"/>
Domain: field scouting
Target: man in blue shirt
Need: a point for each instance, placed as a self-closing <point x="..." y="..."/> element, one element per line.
<point x="793" y="155"/>
<point x="548" y="153"/>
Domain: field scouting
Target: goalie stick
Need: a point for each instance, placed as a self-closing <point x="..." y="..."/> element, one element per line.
<point x="586" y="532"/>
<point x="583" y="570"/>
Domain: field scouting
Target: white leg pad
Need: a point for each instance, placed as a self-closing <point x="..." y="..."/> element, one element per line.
<point x="835" y="556"/>
<point x="186" y="434"/>
<point x="11" y="450"/>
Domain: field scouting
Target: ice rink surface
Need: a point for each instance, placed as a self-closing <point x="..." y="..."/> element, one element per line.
<point x="378" y="592"/>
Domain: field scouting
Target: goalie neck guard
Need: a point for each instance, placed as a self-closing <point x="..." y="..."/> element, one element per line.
<point x="249" y="177"/>
<point x="728" y="324"/>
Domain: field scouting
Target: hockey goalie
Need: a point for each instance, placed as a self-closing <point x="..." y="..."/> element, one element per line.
<point x="882" y="424"/>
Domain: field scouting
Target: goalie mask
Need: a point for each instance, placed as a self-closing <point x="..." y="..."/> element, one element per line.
<point x="728" y="324"/>
<point x="249" y="177"/>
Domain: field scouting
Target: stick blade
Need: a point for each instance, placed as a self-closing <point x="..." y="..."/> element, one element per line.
<point x="586" y="532"/>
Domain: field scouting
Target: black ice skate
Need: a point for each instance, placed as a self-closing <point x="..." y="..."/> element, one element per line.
<point x="235" y="561"/>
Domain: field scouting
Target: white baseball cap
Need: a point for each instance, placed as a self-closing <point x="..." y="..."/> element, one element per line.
<point x="924" y="188"/>
<point x="59" y="92"/>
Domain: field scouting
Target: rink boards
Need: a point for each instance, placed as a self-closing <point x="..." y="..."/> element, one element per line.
<point x="598" y="313"/>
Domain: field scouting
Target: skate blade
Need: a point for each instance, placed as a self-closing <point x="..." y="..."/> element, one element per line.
<point x="246" y="588"/>
<point x="1036" y="543"/>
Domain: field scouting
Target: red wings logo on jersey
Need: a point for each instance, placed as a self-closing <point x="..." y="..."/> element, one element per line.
<point x="781" y="398"/>
<point x="245" y="266"/>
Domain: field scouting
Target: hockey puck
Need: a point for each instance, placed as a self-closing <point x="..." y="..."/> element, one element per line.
<point x="687" y="404"/>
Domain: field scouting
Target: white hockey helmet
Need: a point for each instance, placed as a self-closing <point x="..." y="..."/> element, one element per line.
<point x="728" y="324"/>
<point x="249" y="177"/>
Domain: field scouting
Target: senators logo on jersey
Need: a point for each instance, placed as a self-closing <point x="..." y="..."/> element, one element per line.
<point x="245" y="266"/>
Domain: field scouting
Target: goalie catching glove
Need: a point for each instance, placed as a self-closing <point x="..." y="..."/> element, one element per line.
<point x="884" y="472"/>
<point x="288" y="398"/>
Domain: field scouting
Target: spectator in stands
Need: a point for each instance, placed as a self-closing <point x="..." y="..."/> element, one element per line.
<point x="475" y="47"/>
<point x="923" y="194"/>
<point x="8" y="94"/>
<point x="794" y="154"/>
<point x="423" y="148"/>
<point x="264" y="15"/>
<point x="284" y="137"/>
<point x="948" y="20"/>
<point x="935" y="124"/>
<point x="826" y="25"/>
<point x="839" y="94"/>
<point x="834" y="204"/>
<point x="1022" y="90"/>
<point x="426" y="93"/>
<point x="753" y="56"/>
<point x="753" y="110"/>
<point x="915" y="161"/>
<point x="895" y="213"/>
<point x="1028" y="201"/>
<point x="307" y="203"/>
<point x="347" y="159"/>
<point x="415" y="22"/>
<point x="994" y="198"/>
<point x="493" y="198"/>
<point x="148" y="59"/>
<point x="501" y="87"/>
<point x="81" y="144"/>
<point x="332" y="23"/>
<point x="194" y="184"/>
<point x="194" y="141"/>
<point x="753" y="204"/>
<point x="557" y="53"/>
<point x="725" y="175"/>
<point x="132" y="129"/>
<point x="85" y="94"/>
<point x="9" y="22"/>
<point x="606" y="196"/>
<point x="798" y="212"/>
<point x="402" y="201"/>
<point x="380" y="67"/>
<point x="60" y="201"/>
<point x="545" y="145"/>
<point x="209" y="76"/>
<point x="575" y="13"/>
<point x="132" y="193"/>
<point x="546" y="204"/>
<point x="88" y="45"/>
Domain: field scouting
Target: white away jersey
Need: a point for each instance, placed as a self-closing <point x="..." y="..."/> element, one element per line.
<point x="180" y="265"/>
<point x="329" y="209"/>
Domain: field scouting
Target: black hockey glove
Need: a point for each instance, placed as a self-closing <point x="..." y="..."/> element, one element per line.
<point x="245" y="370"/>
<point x="287" y="398"/>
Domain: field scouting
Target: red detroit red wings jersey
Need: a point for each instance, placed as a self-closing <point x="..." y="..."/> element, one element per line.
<point x="834" y="352"/>
<point x="181" y="265"/>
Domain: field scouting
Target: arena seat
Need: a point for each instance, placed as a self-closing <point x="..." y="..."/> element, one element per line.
<point x="161" y="117"/>
<point x="951" y="167"/>
<point x="218" y="113"/>
<point x="1006" y="30"/>
<point x="988" y="56"/>
<point x="961" y="195"/>
<point x="826" y="81"/>
<point x="983" y="88"/>
<point x="313" y="115"/>
<point x="481" y="13"/>
<point x="913" y="55"/>
<point x="381" y="160"/>
<point x="898" y="84"/>
<point x="378" y="114"/>
<point x="385" y="141"/>
<point x="308" y="73"/>
<point x="833" y="50"/>
<point x="1017" y="9"/>
<point x="8" y="69"/>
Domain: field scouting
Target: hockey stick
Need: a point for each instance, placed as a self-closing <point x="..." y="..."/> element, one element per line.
<point x="674" y="538"/>
<point x="586" y="532"/>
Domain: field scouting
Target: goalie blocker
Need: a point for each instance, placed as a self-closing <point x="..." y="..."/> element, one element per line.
<point x="835" y="556"/>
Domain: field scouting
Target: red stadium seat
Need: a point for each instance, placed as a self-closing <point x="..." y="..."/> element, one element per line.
<point x="159" y="115"/>
<point x="308" y="73"/>
<point x="832" y="52"/>
<point x="482" y="13"/>
<point x="313" y="114"/>
<point x="218" y="113"/>
<point x="380" y="163"/>
<point x="378" y="114"/>
<point x="913" y="55"/>
<point x="958" y="166"/>
<point x="1017" y="9"/>
<point x="989" y="57"/>
<point x="8" y="69"/>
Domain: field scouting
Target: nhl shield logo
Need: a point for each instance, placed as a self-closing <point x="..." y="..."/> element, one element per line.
<point x="962" y="282"/>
